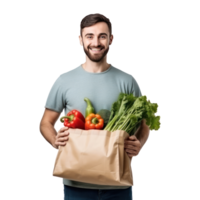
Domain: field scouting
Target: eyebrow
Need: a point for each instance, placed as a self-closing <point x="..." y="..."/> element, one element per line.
<point x="93" y="34"/>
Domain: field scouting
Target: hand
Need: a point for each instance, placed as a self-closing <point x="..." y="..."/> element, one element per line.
<point x="132" y="146"/>
<point x="62" y="137"/>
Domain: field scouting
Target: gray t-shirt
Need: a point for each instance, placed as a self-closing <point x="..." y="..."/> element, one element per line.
<point x="70" y="89"/>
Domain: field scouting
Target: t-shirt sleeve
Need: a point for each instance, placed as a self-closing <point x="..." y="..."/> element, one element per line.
<point x="55" y="100"/>
<point x="135" y="89"/>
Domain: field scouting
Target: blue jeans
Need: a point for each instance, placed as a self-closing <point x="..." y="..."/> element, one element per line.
<point x="74" y="193"/>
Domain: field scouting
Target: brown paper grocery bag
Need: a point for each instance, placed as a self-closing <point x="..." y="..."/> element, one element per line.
<point x="95" y="156"/>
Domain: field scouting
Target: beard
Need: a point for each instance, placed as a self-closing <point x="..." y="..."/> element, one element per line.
<point x="96" y="57"/>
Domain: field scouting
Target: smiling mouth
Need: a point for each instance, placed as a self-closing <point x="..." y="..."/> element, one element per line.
<point x="96" y="50"/>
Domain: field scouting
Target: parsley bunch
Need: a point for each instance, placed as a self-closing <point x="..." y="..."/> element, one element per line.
<point x="128" y="112"/>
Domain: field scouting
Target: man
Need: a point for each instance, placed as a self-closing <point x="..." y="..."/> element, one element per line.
<point x="101" y="83"/>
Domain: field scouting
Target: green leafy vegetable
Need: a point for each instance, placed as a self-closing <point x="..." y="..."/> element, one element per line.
<point x="128" y="112"/>
<point x="119" y="107"/>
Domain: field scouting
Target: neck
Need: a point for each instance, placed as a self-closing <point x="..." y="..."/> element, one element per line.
<point x="95" y="67"/>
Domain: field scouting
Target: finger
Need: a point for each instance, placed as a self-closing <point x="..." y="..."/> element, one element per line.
<point x="63" y="134"/>
<point x="130" y="150"/>
<point x="61" y="131"/>
<point x="66" y="131"/>
<point x="135" y="142"/>
<point x="62" y="128"/>
<point x="130" y="147"/>
<point x="60" y="143"/>
<point x="132" y="137"/>
<point x="62" y="139"/>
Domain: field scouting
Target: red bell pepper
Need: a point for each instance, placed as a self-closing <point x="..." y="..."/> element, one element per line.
<point x="74" y="119"/>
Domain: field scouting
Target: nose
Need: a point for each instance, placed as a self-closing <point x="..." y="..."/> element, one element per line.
<point x="96" y="42"/>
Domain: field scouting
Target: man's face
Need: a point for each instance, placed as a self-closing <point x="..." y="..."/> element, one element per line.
<point x="96" y="40"/>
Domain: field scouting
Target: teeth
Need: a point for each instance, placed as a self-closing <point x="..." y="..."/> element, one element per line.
<point x="96" y="49"/>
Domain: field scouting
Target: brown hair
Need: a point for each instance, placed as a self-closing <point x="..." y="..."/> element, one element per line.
<point x="92" y="19"/>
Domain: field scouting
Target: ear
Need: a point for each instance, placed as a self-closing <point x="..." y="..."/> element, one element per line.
<point x="79" y="39"/>
<point x="112" y="39"/>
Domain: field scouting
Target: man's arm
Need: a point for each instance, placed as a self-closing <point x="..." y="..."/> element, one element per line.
<point x="143" y="133"/>
<point x="135" y="142"/>
<point x="47" y="128"/>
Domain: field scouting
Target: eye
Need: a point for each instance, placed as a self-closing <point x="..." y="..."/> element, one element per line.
<point x="101" y="36"/>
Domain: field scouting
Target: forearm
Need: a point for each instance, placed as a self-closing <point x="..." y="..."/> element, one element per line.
<point x="143" y="133"/>
<point x="49" y="133"/>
